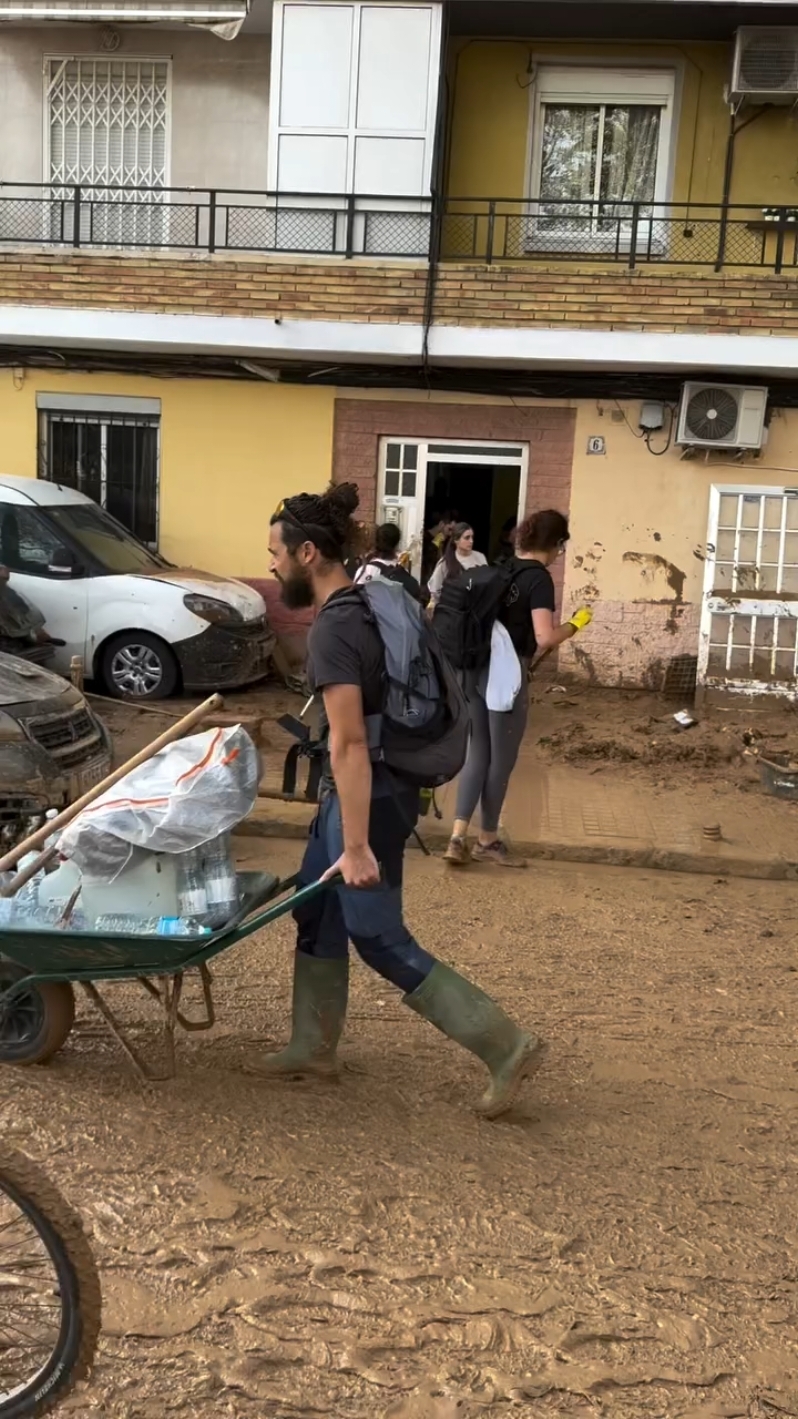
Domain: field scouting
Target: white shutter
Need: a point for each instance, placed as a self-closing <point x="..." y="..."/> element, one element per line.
<point x="354" y="97"/>
<point x="107" y="125"/>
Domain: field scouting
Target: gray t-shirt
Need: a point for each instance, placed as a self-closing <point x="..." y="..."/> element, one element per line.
<point x="344" y="648"/>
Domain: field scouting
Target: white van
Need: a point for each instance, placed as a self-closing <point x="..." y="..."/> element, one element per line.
<point x="143" y="628"/>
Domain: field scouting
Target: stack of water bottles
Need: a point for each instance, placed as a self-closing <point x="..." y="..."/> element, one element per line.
<point x="207" y="896"/>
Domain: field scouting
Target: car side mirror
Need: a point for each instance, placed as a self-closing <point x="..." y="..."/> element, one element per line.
<point x="62" y="563"/>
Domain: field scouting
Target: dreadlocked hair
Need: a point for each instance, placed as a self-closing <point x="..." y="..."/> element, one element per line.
<point x="325" y="519"/>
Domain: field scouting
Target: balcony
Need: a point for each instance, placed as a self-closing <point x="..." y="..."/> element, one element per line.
<point x="516" y="265"/>
<point x="480" y="230"/>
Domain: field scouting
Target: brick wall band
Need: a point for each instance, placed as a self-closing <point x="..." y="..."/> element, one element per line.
<point x="360" y="424"/>
<point x="524" y="295"/>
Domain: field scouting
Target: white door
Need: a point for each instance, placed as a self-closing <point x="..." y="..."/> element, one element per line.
<point x="749" y="617"/>
<point x="38" y="563"/>
<point x="402" y="492"/>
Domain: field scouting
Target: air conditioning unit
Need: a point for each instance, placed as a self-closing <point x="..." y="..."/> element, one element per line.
<point x="722" y="416"/>
<point x="765" y="66"/>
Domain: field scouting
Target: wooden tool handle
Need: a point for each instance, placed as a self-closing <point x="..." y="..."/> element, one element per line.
<point x="54" y="825"/>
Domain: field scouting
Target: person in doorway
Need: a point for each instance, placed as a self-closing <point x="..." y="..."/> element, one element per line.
<point x="360" y="831"/>
<point x="458" y="556"/>
<point x="384" y="561"/>
<point x="528" y="616"/>
<point x="506" y="548"/>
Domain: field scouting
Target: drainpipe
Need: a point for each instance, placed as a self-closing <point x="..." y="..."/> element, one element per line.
<point x="728" y="173"/>
<point x="436" y="192"/>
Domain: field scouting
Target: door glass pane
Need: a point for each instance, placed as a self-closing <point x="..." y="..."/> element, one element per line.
<point x="786" y="632"/>
<point x="771" y="542"/>
<point x="773" y="511"/>
<point x="725" y="546"/>
<point x="748" y="549"/>
<point x="751" y="506"/>
<point x="408" y="485"/>
<point x="411" y="455"/>
<point x="739" y="660"/>
<point x="392" y="483"/>
<point x="792" y="514"/>
<point x="728" y="510"/>
<point x="768" y="577"/>
<point x="741" y="630"/>
<point x="393" y="455"/>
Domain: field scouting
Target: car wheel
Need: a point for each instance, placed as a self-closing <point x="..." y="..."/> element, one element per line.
<point x="138" y="666"/>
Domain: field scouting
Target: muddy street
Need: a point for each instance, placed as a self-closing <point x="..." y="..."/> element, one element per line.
<point x="625" y="1239"/>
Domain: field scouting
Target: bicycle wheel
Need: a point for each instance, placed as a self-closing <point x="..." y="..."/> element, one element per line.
<point x="49" y="1292"/>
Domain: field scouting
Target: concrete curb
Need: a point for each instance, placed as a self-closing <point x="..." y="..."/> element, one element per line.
<point x="707" y="863"/>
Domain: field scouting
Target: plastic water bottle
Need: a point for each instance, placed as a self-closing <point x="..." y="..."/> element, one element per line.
<point x="221" y="882"/>
<point x="126" y="925"/>
<point x="192" y="896"/>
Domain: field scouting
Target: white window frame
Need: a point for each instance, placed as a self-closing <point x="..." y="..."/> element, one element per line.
<point x="585" y="85"/>
<point x="352" y="132"/>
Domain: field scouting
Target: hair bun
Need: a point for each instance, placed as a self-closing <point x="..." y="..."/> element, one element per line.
<point x="344" y="498"/>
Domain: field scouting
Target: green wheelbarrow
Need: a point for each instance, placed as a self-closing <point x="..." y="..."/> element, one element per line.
<point x="39" y="969"/>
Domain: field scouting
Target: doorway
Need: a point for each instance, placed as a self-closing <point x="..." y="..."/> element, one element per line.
<point x="421" y="483"/>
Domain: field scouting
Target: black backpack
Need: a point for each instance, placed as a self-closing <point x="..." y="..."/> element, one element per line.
<point x="467" y="611"/>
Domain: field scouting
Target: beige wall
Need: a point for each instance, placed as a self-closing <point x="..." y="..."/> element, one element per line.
<point x="639" y="527"/>
<point x="490" y="117"/>
<point x="229" y="452"/>
<point x="220" y="100"/>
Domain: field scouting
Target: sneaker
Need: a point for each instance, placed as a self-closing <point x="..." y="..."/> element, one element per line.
<point x="457" y="852"/>
<point x="498" y="853"/>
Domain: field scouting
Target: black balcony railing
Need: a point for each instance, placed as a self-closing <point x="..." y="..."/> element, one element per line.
<point x="488" y="230"/>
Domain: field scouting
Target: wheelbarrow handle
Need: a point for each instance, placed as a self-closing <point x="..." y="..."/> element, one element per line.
<point x="285" y="905"/>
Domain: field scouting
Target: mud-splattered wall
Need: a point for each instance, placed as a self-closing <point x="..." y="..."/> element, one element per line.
<point x="639" y="526"/>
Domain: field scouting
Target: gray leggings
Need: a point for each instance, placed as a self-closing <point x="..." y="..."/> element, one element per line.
<point x="492" y="754"/>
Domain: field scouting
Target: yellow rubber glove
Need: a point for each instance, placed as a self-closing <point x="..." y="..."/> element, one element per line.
<point x="581" y="618"/>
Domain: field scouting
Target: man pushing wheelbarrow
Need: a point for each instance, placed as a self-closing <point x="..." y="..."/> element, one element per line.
<point x="394" y="721"/>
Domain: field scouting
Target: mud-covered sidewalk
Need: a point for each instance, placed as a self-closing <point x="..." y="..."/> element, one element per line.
<point x="603" y="777"/>
<point x="623" y="1242"/>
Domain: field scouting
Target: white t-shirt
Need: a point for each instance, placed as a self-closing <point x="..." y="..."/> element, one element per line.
<point x="472" y="559"/>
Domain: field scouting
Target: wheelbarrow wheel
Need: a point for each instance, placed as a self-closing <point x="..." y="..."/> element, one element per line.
<point x="35" y="1023"/>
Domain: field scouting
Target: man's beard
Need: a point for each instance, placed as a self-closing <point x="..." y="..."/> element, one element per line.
<point x="296" y="591"/>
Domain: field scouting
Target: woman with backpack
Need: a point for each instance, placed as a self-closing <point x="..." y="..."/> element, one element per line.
<point x="384" y="561"/>
<point x="458" y="556"/>
<point x="527" y="614"/>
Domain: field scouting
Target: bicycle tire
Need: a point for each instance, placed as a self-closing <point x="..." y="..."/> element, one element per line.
<point x="61" y="1232"/>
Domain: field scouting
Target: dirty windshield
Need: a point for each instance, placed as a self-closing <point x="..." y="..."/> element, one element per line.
<point x="104" y="539"/>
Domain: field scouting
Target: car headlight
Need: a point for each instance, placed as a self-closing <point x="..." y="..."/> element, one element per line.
<point x="218" y="613"/>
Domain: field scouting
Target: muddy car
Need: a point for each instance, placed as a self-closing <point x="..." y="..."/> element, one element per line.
<point x="52" y="746"/>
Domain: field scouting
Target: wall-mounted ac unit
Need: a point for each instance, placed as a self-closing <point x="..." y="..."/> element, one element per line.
<point x="722" y="416"/>
<point x="765" y="68"/>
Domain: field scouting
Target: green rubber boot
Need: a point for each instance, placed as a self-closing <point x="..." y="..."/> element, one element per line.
<point x="321" y="991"/>
<point x="464" y="1013"/>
